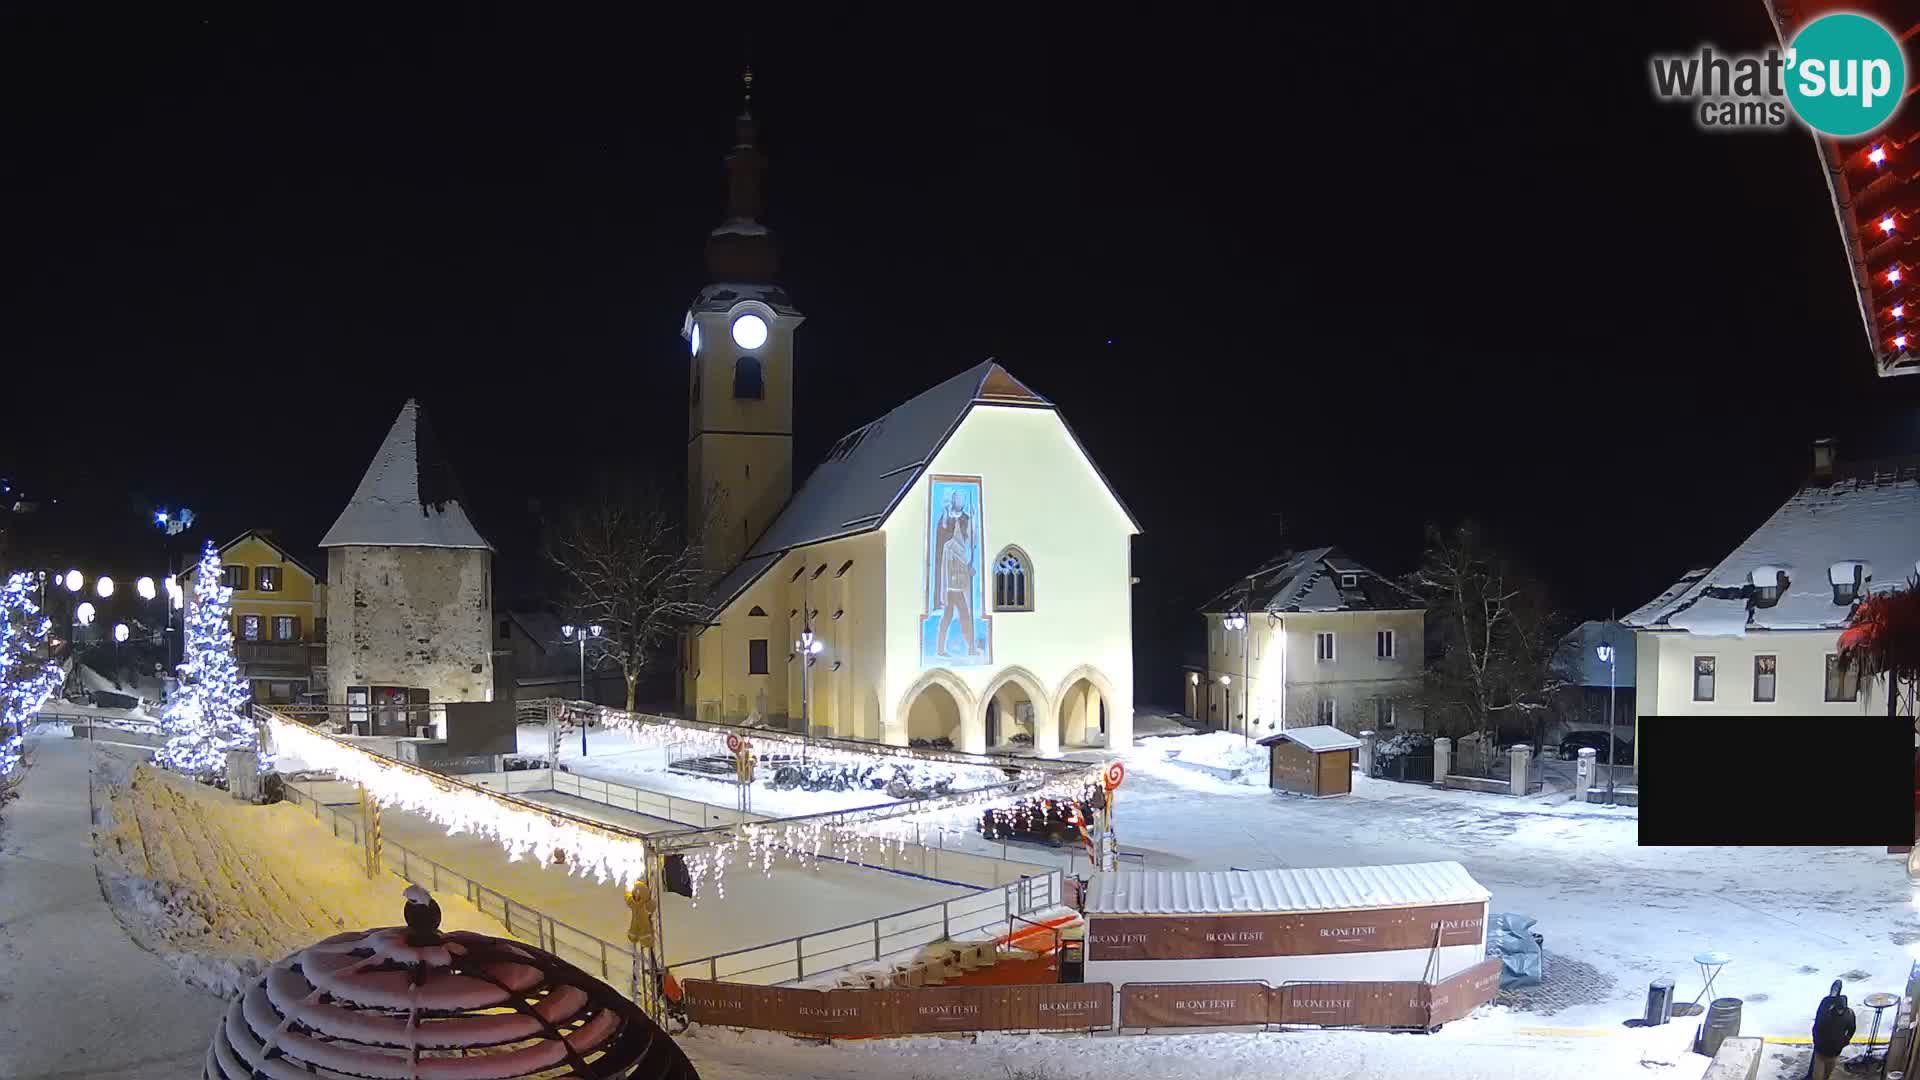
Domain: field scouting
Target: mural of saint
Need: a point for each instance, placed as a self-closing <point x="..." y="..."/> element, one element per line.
<point x="954" y="633"/>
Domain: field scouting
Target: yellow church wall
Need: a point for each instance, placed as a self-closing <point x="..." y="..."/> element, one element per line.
<point x="1040" y="493"/>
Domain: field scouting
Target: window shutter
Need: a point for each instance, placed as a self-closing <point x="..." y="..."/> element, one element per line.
<point x="296" y="629"/>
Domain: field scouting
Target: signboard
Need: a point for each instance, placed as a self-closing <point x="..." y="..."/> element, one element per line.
<point x="1299" y="933"/>
<point x="1156" y="1005"/>
<point x="1352" y="1004"/>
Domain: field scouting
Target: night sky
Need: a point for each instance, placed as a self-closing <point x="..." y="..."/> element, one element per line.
<point x="1351" y="271"/>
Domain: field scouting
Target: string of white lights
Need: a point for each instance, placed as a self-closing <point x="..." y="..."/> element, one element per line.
<point x="521" y="830"/>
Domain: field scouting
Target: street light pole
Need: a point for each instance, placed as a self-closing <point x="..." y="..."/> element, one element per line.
<point x="580" y="634"/>
<point x="1607" y="658"/>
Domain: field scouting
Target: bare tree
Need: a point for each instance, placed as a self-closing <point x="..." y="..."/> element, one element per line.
<point x="1497" y="637"/>
<point x="631" y="565"/>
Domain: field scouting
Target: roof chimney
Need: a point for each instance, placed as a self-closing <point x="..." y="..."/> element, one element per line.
<point x="1823" y="460"/>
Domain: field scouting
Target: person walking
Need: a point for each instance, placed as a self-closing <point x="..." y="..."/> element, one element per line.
<point x="1833" y="1028"/>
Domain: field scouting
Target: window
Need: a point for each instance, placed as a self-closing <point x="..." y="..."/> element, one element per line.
<point x="506" y="628"/>
<point x="1703" y="678"/>
<point x="1842" y="685"/>
<point x="757" y="656"/>
<point x="1348" y="581"/>
<point x="286" y="628"/>
<point x="234" y="576"/>
<point x="1326" y="711"/>
<point x="817" y="573"/>
<point x="266" y="578"/>
<point x="1383" y="644"/>
<point x="1323" y="646"/>
<point x="1764" y="668"/>
<point x="1213" y="637"/>
<point x="1383" y="712"/>
<point x="757" y="610"/>
<point x="252" y="628"/>
<point x="319" y="629"/>
<point x="844" y="567"/>
<point x="1012" y="581"/>
<point x="747" y="381"/>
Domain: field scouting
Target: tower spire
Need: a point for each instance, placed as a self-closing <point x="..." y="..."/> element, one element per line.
<point x="742" y="249"/>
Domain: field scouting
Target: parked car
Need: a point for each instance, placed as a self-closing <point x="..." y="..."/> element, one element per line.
<point x="1577" y="741"/>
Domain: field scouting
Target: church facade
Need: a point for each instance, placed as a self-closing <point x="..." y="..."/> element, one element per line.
<point x="956" y="572"/>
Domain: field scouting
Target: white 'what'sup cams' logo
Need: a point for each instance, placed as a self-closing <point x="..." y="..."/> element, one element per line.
<point x="1842" y="75"/>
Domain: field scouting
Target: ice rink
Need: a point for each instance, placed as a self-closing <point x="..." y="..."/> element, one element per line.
<point x="756" y="908"/>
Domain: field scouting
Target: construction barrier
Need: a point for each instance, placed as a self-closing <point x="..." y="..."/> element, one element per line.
<point x="881" y="1013"/>
<point x="1090" y="1006"/>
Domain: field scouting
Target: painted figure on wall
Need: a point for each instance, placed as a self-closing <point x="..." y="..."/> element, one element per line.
<point x="953" y="634"/>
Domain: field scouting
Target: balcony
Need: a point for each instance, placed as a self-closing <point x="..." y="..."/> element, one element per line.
<point x="285" y="656"/>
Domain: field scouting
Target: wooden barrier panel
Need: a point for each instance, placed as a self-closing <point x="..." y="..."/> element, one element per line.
<point x="1315" y="933"/>
<point x="1352" y="1004"/>
<point x="927" y="1010"/>
<point x="1458" y="995"/>
<point x="1165" y="1005"/>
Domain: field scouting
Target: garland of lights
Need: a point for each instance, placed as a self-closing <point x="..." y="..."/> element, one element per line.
<point x="606" y="853"/>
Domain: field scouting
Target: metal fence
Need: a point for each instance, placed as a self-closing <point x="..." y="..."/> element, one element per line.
<point x="874" y="939"/>
<point x="616" y="964"/>
<point x="674" y="808"/>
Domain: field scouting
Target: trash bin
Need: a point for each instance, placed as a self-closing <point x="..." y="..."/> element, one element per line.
<point x="1723" y="1022"/>
<point x="1659" y="1002"/>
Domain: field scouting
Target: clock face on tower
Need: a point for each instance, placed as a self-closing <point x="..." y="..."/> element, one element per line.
<point x="693" y="339"/>
<point x="749" y="331"/>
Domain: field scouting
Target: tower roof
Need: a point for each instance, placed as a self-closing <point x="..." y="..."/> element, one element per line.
<point x="742" y="249"/>
<point x="409" y="497"/>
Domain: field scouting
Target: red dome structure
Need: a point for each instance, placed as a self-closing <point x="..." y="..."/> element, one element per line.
<point x="411" y="1003"/>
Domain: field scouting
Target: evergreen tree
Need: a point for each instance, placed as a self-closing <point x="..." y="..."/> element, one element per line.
<point x="207" y="715"/>
<point x="27" y="677"/>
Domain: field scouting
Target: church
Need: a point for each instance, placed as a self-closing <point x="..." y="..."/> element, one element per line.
<point x="957" y="572"/>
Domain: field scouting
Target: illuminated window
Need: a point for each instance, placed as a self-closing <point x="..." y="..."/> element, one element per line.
<point x="1703" y="678"/>
<point x="252" y="628"/>
<point x="266" y="578"/>
<point x="1764" y="669"/>
<point x="286" y="628"/>
<point x="1842" y="685"/>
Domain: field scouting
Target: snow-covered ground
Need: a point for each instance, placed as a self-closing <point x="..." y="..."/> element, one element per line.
<point x="757" y="908"/>
<point x="201" y="879"/>
<point x="1496" y="1047"/>
<point x="616" y="756"/>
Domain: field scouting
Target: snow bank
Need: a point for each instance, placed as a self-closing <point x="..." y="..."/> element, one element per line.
<point x="221" y="889"/>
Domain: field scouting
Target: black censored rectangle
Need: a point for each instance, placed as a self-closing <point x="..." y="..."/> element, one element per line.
<point x="1797" y="781"/>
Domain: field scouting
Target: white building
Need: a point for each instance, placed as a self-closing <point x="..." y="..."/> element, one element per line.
<point x="962" y="566"/>
<point x="1758" y="632"/>
<point x="1311" y="638"/>
<point x="410" y="590"/>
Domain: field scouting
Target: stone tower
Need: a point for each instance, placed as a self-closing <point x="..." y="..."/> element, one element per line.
<point x="739" y="331"/>
<point x="410" y="581"/>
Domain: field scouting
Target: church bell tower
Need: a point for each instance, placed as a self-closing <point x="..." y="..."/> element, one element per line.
<point x="739" y="332"/>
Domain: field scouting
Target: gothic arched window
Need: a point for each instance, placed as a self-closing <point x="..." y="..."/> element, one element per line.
<point x="1012" y="580"/>
<point x="747" y="381"/>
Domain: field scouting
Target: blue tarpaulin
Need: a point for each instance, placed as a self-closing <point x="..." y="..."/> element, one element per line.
<point x="1509" y="938"/>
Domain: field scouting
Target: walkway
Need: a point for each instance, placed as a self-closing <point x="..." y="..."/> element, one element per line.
<point x="78" y="999"/>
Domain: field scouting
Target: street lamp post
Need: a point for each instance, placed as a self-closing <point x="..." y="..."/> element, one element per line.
<point x="171" y="523"/>
<point x="579" y="635"/>
<point x="1605" y="652"/>
<point x="807" y="648"/>
<point x="1238" y="622"/>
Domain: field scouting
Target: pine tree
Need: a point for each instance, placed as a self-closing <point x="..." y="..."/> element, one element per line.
<point x="27" y="678"/>
<point x="207" y="715"/>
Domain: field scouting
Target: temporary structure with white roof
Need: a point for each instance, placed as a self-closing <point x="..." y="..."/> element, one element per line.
<point x="1415" y="922"/>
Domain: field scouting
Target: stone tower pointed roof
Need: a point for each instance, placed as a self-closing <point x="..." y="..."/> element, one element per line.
<point x="409" y="497"/>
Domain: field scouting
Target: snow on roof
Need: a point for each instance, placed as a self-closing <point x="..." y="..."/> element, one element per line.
<point x="1856" y="520"/>
<point x="867" y="472"/>
<point x="409" y="497"/>
<point x="1311" y="581"/>
<point x="1316" y="737"/>
<point x="1338" y="888"/>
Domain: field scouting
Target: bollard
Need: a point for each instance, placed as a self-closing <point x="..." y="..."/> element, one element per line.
<point x="1585" y="772"/>
<point x="1442" y="760"/>
<point x="1519" y="769"/>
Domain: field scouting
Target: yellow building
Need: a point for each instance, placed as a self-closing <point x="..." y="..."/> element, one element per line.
<point x="279" y="617"/>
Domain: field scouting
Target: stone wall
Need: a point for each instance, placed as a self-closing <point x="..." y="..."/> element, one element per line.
<point x="410" y="616"/>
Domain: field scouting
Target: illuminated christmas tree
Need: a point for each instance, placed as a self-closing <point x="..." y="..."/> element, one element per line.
<point x="28" y="677"/>
<point x="207" y="715"/>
